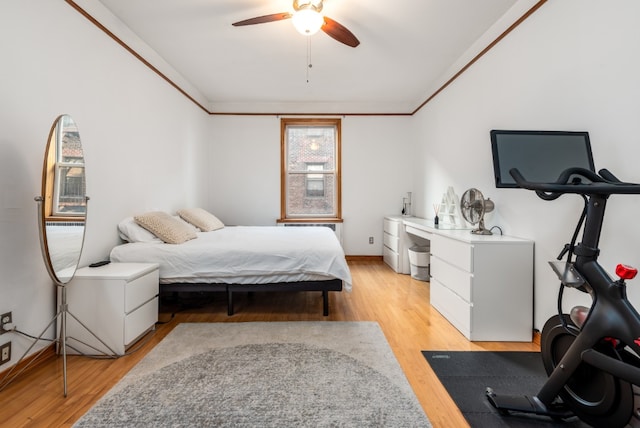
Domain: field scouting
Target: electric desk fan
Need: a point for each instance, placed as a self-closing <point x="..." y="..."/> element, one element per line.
<point x="473" y="207"/>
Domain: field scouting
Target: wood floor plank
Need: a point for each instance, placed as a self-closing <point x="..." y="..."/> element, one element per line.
<point x="398" y="303"/>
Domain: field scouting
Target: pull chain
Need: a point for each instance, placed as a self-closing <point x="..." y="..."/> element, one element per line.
<point x="309" y="65"/>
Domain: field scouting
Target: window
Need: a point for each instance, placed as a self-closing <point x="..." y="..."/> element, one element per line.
<point x="310" y="185"/>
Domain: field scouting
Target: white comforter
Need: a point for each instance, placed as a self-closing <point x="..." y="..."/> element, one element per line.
<point x="245" y="255"/>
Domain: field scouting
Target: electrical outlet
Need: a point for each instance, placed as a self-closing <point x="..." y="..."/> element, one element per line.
<point x="6" y="318"/>
<point x="5" y="353"/>
<point x="371" y="240"/>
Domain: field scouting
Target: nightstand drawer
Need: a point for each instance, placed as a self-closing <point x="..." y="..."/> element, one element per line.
<point x="140" y="290"/>
<point x="140" y="320"/>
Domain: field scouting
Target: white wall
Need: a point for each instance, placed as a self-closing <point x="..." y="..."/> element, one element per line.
<point x="144" y="143"/>
<point x="573" y="65"/>
<point x="244" y="171"/>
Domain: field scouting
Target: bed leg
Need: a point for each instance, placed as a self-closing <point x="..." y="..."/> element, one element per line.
<point x="325" y="303"/>
<point x="229" y="302"/>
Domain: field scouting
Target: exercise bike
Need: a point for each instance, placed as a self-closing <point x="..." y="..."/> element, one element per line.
<point x="591" y="355"/>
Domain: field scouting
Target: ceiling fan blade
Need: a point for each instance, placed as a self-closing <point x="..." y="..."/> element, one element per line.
<point x="339" y="32"/>
<point x="263" y="19"/>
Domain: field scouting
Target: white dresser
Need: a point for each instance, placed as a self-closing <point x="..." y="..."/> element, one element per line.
<point x="118" y="302"/>
<point x="396" y="244"/>
<point x="482" y="284"/>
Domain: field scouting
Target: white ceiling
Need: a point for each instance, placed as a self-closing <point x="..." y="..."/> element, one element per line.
<point x="407" y="47"/>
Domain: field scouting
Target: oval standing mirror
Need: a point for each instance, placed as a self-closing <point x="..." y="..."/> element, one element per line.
<point x="63" y="203"/>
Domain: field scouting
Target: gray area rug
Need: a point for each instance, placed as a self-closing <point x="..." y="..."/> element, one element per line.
<point x="269" y="374"/>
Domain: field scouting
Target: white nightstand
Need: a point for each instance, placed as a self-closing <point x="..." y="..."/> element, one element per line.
<point x="118" y="302"/>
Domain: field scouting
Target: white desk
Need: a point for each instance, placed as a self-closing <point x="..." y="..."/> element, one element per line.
<point x="483" y="284"/>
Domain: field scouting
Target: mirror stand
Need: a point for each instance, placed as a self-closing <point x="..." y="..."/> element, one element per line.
<point x="61" y="341"/>
<point x="61" y="317"/>
<point x="63" y="309"/>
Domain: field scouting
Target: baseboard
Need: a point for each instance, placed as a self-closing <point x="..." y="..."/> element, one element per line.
<point x="364" y="258"/>
<point x="32" y="361"/>
<point x="536" y="337"/>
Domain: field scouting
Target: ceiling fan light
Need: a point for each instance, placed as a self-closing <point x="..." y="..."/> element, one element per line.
<point x="307" y="21"/>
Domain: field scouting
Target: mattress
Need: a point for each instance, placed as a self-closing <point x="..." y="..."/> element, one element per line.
<point x="65" y="244"/>
<point x="245" y="255"/>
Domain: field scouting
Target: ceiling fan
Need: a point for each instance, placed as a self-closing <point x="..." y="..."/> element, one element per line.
<point x="308" y="20"/>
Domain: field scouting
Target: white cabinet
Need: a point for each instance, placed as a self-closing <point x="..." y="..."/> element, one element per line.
<point x="396" y="244"/>
<point x="118" y="302"/>
<point x="482" y="284"/>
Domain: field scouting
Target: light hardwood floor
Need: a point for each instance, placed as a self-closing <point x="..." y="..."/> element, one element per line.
<point x="398" y="303"/>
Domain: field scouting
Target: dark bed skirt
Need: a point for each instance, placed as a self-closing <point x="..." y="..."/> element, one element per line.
<point x="324" y="286"/>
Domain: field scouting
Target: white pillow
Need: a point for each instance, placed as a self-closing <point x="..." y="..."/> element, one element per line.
<point x="131" y="231"/>
<point x="165" y="227"/>
<point x="200" y="218"/>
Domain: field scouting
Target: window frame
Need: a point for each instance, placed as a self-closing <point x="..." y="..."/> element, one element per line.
<point x="54" y="164"/>
<point x="337" y="173"/>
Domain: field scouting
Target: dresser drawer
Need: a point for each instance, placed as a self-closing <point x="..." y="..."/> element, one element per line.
<point x="452" y="277"/>
<point x="140" y="320"/>
<point x="391" y="241"/>
<point x="452" y="307"/>
<point x="140" y="290"/>
<point x="392" y="227"/>
<point x="390" y="258"/>
<point x="457" y="253"/>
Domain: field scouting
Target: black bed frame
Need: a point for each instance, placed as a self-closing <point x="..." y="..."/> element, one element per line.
<point x="324" y="286"/>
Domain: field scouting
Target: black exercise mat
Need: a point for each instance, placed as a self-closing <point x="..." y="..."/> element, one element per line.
<point x="466" y="376"/>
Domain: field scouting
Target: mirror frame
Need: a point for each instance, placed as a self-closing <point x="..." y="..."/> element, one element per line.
<point x="45" y="205"/>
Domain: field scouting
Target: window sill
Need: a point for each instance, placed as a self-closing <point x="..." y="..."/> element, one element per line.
<point x="309" y="220"/>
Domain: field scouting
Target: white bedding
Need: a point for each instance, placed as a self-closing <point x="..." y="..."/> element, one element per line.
<point x="245" y="255"/>
<point x="65" y="245"/>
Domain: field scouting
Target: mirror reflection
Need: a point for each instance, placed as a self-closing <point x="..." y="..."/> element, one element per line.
<point x="64" y="201"/>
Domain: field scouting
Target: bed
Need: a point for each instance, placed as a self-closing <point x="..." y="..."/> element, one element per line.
<point x="245" y="259"/>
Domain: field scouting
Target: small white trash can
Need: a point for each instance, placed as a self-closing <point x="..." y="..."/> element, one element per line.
<point x="419" y="258"/>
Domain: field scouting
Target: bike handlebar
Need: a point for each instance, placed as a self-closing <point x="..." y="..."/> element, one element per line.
<point x="570" y="181"/>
